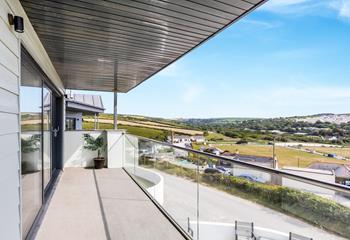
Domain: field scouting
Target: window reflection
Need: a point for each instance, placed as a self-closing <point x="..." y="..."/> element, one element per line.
<point x="31" y="143"/>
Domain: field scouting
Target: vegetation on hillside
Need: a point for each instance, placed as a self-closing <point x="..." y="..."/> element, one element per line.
<point x="247" y="129"/>
<point x="155" y="134"/>
<point x="280" y="129"/>
<point x="286" y="156"/>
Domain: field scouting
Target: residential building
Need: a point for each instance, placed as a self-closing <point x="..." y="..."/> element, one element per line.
<point x="341" y="171"/>
<point x="78" y="105"/>
<point x="260" y="160"/>
<point x="181" y="139"/>
<point x="198" y="139"/>
<point x="186" y="138"/>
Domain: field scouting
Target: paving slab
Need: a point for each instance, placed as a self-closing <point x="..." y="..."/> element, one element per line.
<point x="102" y="204"/>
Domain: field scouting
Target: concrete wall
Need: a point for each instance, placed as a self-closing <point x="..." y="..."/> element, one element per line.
<point x="74" y="153"/>
<point x="76" y="156"/>
<point x="115" y="148"/>
<point x="10" y="227"/>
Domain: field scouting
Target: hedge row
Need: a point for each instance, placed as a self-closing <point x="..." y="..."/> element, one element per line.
<point x="322" y="212"/>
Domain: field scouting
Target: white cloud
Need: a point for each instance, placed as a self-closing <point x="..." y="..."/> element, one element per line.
<point x="342" y="7"/>
<point x="288" y="6"/>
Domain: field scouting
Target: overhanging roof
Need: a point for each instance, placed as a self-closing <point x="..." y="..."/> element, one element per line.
<point x="114" y="45"/>
<point x="85" y="103"/>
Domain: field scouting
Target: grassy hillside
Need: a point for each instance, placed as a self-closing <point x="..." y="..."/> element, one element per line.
<point x="146" y="122"/>
<point x="285" y="156"/>
<point x="139" y="131"/>
<point x="343" y="151"/>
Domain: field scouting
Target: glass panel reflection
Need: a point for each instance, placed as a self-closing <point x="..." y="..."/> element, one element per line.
<point x="31" y="144"/>
<point x="212" y="197"/>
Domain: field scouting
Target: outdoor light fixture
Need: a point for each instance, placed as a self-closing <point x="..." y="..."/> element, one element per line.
<point x="17" y="21"/>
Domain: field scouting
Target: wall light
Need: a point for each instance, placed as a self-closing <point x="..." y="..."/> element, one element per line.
<point x="17" y="21"/>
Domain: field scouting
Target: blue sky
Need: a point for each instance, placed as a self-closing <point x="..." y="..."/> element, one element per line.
<point x="290" y="57"/>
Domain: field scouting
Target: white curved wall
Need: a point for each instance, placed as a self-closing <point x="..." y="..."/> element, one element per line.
<point x="157" y="190"/>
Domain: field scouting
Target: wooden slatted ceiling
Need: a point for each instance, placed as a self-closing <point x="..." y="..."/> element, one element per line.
<point x="114" y="45"/>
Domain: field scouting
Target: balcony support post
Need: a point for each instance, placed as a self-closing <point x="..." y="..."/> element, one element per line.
<point x="115" y="123"/>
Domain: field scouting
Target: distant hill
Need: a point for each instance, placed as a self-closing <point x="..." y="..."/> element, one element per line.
<point x="196" y="122"/>
<point x="211" y="121"/>
<point x="325" y="117"/>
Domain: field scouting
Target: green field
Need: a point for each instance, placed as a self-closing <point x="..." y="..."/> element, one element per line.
<point x="286" y="156"/>
<point x="139" y="131"/>
<point x="218" y="137"/>
<point x="340" y="151"/>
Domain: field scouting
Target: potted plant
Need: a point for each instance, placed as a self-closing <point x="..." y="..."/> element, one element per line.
<point x="30" y="153"/>
<point x="96" y="144"/>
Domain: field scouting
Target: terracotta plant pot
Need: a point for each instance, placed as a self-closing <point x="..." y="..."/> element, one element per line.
<point x="99" y="163"/>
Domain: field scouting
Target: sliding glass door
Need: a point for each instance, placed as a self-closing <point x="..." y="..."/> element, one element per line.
<point x="36" y="100"/>
<point x="31" y="144"/>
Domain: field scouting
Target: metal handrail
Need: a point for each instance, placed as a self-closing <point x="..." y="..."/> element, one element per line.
<point x="332" y="186"/>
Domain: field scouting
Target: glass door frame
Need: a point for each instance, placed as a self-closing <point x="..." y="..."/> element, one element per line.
<point x="49" y="119"/>
<point x="56" y="146"/>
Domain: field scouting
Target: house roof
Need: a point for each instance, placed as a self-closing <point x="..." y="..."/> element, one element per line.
<point x="309" y="170"/>
<point x="244" y="157"/>
<point x="329" y="166"/>
<point x="84" y="103"/>
<point x="116" y="45"/>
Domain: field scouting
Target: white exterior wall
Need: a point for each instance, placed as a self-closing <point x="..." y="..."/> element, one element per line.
<point x="115" y="148"/>
<point x="10" y="172"/>
<point x="10" y="227"/>
<point x="74" y="153"/>
<point x="76" y="156"/>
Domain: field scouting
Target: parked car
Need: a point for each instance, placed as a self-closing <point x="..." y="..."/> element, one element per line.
<point x="211" y="170"/>
<point x="252" y="178"/>
<point x="226" y="171"/>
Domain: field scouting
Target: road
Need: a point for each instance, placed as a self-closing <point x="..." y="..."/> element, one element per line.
<point x="180" y="196"/>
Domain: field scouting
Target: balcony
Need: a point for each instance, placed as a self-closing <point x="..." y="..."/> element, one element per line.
<point x="102" y="204"/>
<point x="165" y="192"/>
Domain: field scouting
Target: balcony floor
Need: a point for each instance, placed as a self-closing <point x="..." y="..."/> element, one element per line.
<point x="102" y="204"/>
